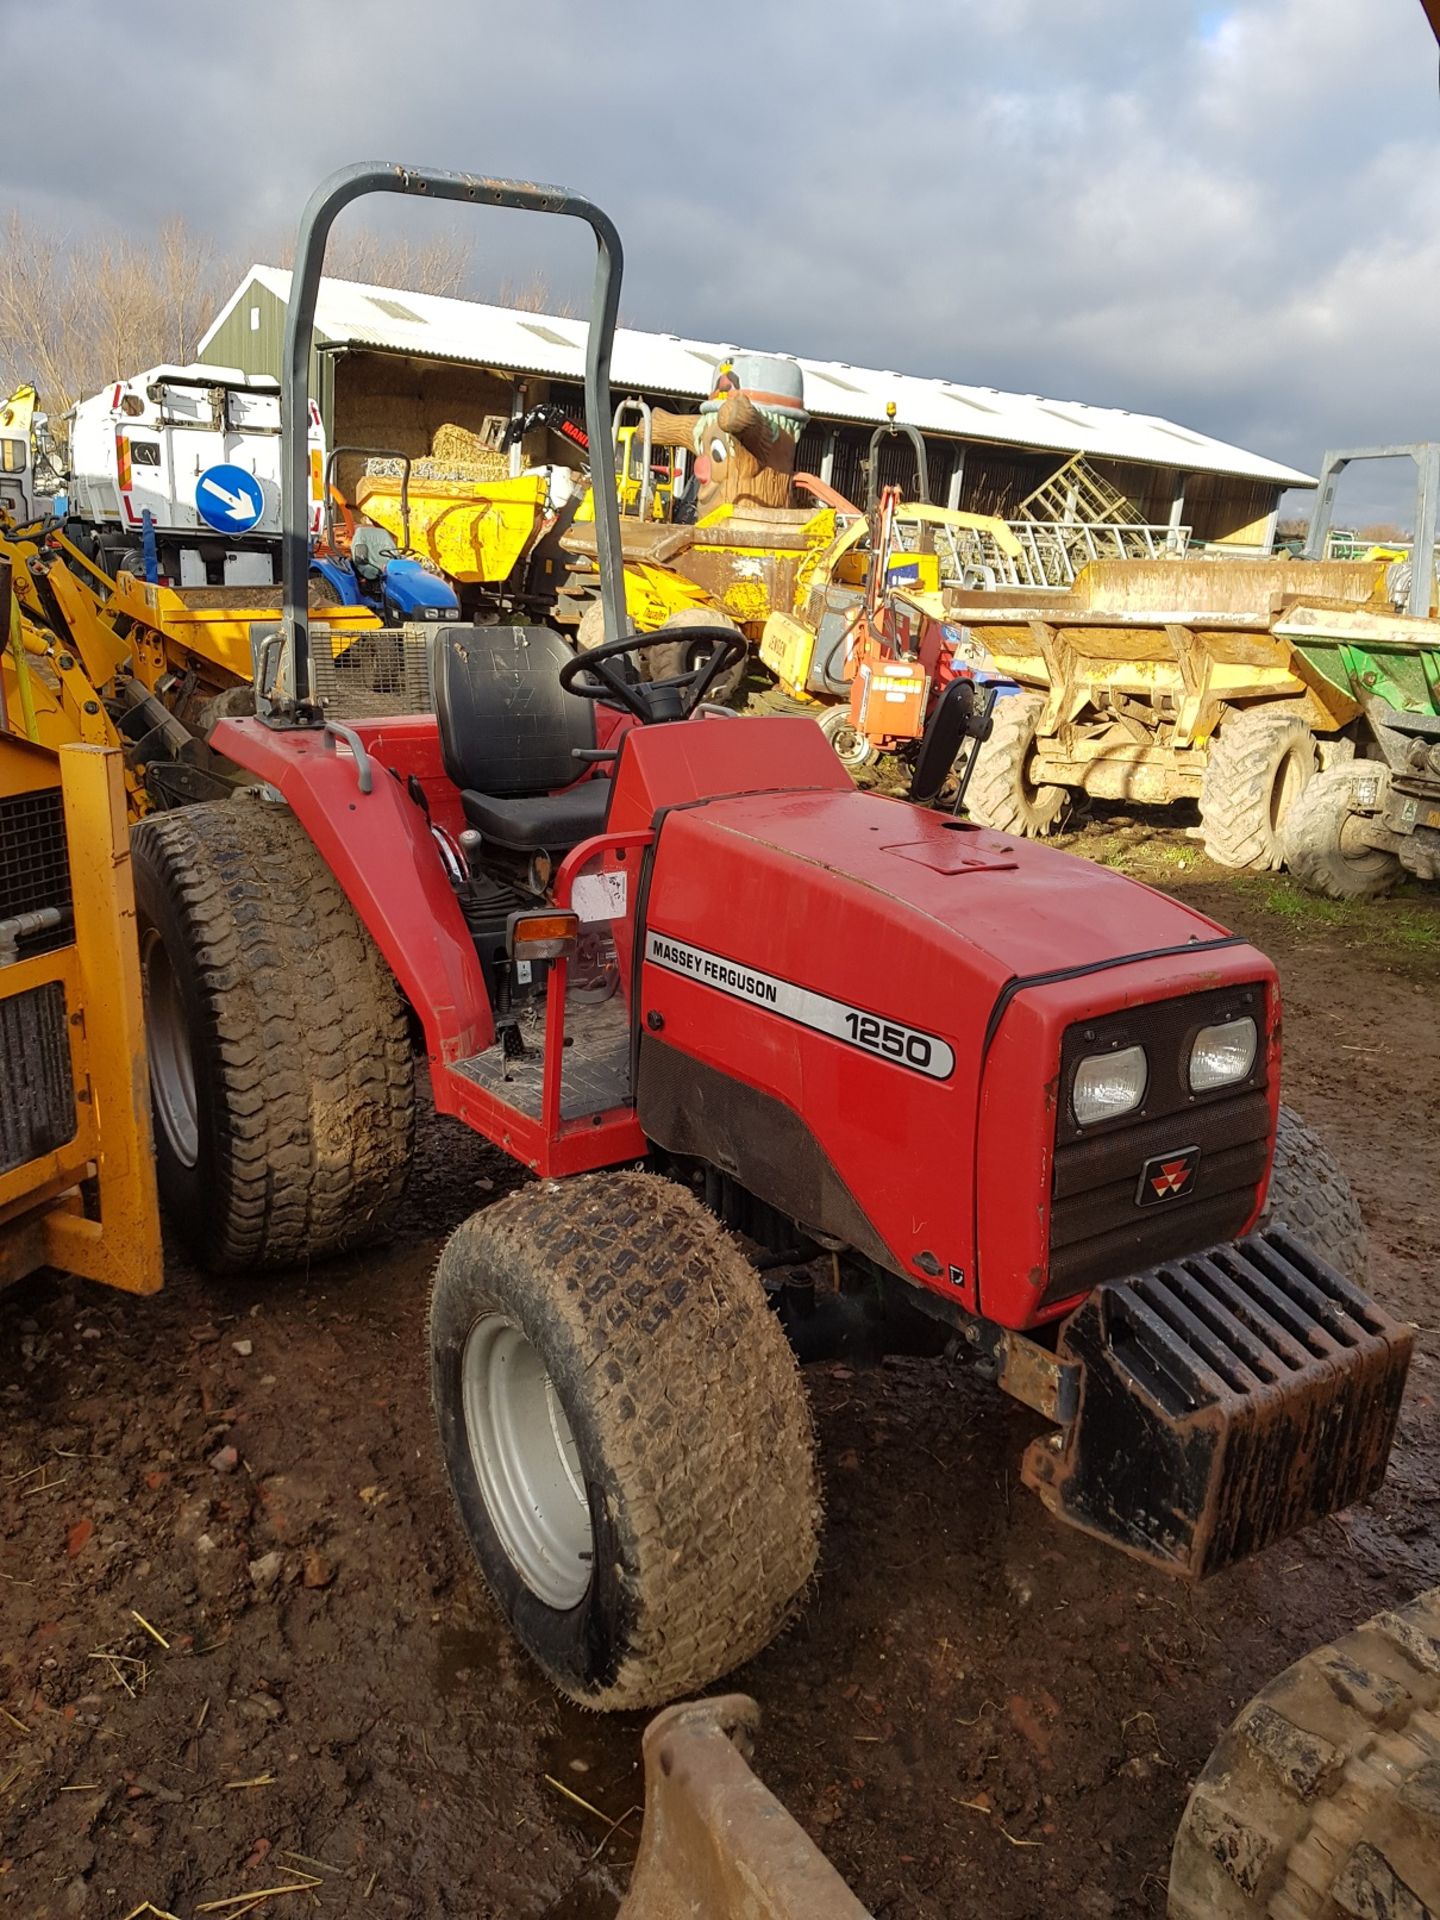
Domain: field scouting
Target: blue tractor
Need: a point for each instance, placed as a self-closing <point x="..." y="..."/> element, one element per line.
<point x="368" y="569"/>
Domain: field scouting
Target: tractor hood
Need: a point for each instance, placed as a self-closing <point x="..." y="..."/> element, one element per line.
<point x="999" y="908"/>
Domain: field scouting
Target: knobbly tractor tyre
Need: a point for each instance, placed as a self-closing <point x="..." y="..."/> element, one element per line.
<point x="667" y="658"/>
<point x="625" y="1433"/>
<point x="675" y="655"/>
<point x="1260" y="762"/>
<point x="1004" y="793"/>
<point x="1323" y="1799"/>
<point x="280" y="1072"/>
<point x="1322" y="845"/>
<point x="852" y="749"/>
<point x="1310" y="1194"/>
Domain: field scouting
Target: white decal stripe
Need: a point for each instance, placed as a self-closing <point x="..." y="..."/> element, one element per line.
<point x="890" y="1040"/>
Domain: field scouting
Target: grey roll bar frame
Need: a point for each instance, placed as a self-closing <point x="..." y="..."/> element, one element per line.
<point x="1426" y="455"/>
<point x="333" y="459"/>
<point x="329" y="198"/>
<point x="922" y="462"/>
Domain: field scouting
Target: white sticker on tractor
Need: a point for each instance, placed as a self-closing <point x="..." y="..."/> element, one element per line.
<point x="599" y="896"/>
<point x="901" y="1045"/>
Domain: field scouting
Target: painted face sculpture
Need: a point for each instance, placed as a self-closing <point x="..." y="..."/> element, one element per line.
<point x="744" y="436"/>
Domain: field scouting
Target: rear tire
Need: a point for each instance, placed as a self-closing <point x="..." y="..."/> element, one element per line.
<point x="1320" y="846"/>
<point x="281" y="1076"/>
<point x="1310" y="1194"/>
<point x="625" y="1433"/>
<point x="1260" y="763"/>
<point x="1324" y="1796"/>
<point x="1003" y="792"/>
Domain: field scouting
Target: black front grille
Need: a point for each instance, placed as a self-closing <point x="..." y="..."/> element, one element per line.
<point x="34" y="865"/>
<point x="1229" y="1399"/>
<point x="37" y="1114"/>
<point x="1098" y="1229"/>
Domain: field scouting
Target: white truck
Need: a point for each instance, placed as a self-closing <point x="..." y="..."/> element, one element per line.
<point x="197" y="449"/>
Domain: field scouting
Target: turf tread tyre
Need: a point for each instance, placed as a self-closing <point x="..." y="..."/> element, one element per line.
<point x="298" y="1035"/>
<point x="1001" y="794"/>
<point x="1238" y="799"/>
<point x="1314" y="843"/>
<point x="689" y="1414"/>
<point x="1323" y="1798"/>
<point x="1310" y="1194"/>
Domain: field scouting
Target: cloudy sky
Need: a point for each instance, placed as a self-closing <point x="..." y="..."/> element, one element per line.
<point x="1225" y="213"/>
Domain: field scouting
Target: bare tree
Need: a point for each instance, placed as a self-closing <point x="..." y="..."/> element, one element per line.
<point x="439" y="265"/>
<point x="75" y="314"/>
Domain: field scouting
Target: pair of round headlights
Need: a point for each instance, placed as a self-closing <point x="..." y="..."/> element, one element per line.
<point x="1109" y="1085"/>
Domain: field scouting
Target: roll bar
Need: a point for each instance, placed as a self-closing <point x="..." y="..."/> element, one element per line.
<point x="333" y="459"/>
<point x="525" y="196"/>
<point x="922" y="462"/>
<point x="1426" y="455"/>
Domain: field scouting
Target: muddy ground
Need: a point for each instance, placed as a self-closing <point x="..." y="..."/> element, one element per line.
<point x="979" y="1713"/>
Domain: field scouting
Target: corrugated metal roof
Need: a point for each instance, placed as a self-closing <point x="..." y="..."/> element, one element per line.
<point x="351" y="314"/>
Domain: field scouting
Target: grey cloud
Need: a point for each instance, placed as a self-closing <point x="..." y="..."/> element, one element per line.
<point x="1227" y="213"/>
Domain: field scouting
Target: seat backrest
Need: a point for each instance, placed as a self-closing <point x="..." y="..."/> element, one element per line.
<point x="507" y="726"/>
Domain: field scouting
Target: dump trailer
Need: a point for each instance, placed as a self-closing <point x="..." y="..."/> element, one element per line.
<point x="77" y="1171"/>
<point x="1157" y="681"/>
<point x="998" y="1100"/>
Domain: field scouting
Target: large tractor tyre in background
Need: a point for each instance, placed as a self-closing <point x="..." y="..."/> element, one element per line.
<point x="1260" y="762"/>
<point x="1004" y="793"/>
<point x="280" y="1070"/>
<point x="625" y="1433"/>
<point x="667" y="658"/>
<point x="1322" y="846"/>
<point x="675" y="656"/>
<point x="1311" y="1195"/>
<point x="1323" y="1799"/>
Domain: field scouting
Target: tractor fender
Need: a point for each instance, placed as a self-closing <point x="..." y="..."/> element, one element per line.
<point x="377" y="843"/>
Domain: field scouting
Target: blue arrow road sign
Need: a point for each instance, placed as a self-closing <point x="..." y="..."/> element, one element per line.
<point x="229" y="499"/>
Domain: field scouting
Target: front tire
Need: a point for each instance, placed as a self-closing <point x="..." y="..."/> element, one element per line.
<point x="852" y="749"/>
<point x="625" y="1433"/>
<point x="1310" y="1194"/>
<point x="1004" y="793"/>
<point x="1322" y="850"/>
<point x="1322" y="1798"/>
<point x="281" y="1079"/>
<point x="1260" y="763"/>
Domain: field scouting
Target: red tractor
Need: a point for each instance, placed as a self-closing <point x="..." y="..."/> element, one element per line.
<point x="739" y="1019"/>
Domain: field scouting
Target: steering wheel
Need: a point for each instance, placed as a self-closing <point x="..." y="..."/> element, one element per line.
<point x="594" y="675"/>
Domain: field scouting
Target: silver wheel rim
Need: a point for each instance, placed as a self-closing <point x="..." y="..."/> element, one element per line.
<point x="851" y="747"/>
<point x="172" y="1064"/>
<point x="526" y="1461"/>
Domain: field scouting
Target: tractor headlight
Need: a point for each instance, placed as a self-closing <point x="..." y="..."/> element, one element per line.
<point x="1223" y="1054"/>
<point x="1109" y="1084"/>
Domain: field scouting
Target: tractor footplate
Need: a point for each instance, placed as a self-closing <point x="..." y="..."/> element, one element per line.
<point x="1225" y="1401"/>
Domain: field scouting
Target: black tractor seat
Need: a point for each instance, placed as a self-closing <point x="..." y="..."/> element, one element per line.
<point x="508" y="734"/>
<point x="542" y="822"/>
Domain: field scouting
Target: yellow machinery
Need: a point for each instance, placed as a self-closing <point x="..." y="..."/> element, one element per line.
<point x="475" y="531"/>
<point x="813" y="647"/>
<point x="77" y="1175"/>
<point x="119" y="663"/>
<point x="1161" y="680"/>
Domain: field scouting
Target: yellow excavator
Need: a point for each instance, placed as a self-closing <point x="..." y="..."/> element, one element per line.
<point x="77" y="1173"/>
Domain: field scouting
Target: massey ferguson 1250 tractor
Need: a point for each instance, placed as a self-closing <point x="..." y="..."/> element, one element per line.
<point x="739" y="1019"/>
